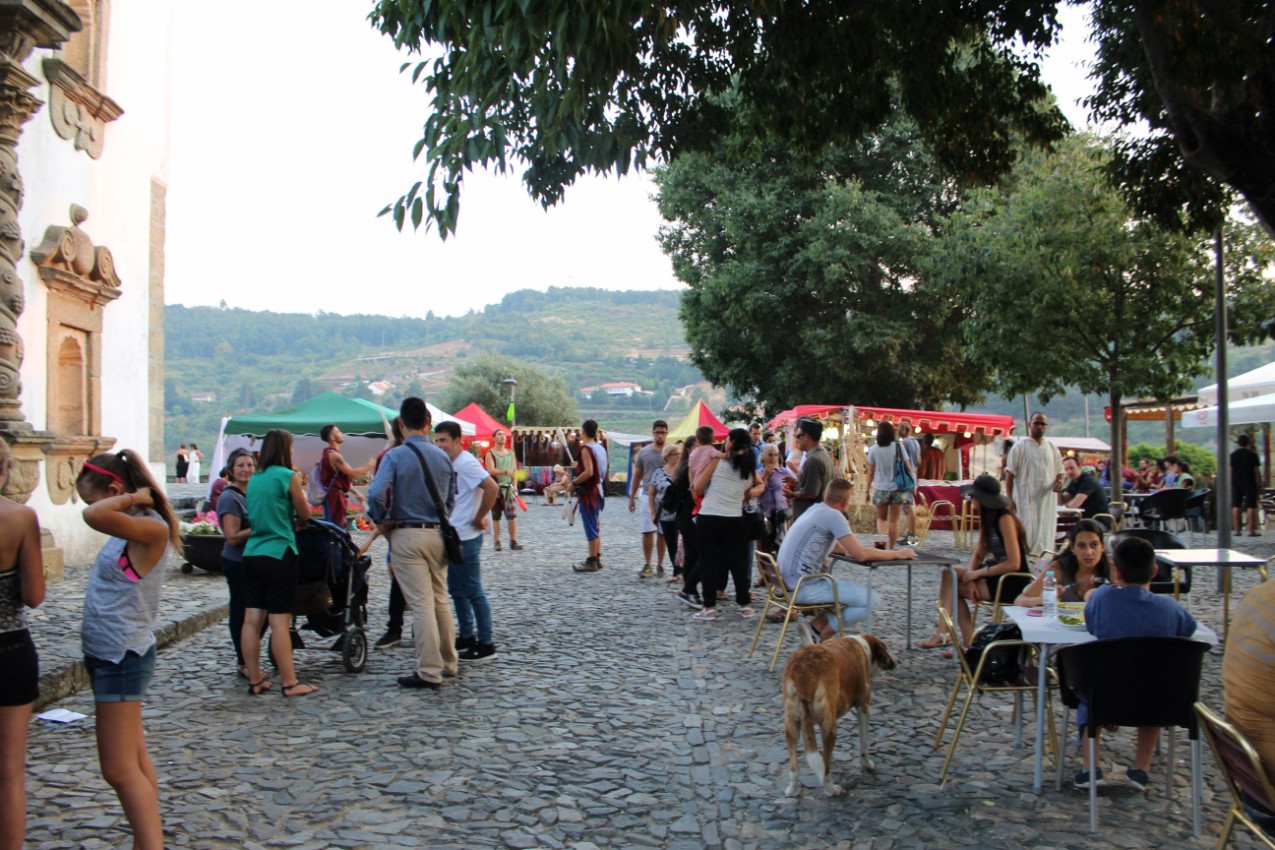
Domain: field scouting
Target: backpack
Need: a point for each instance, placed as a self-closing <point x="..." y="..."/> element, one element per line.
<point x="315" y="492"/>
<point x="1002" y="665"/>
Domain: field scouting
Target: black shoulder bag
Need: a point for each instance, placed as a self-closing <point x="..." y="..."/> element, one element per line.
<point x="451" y="539"/>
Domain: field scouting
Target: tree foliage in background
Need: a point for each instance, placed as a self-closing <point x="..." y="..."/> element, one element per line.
<point x="566" y="89"/>
<point x="804" y="284"/>
<point x="1200" y="76"/>
<point x="542" y="399"/>
<point x="1066" y="288"/>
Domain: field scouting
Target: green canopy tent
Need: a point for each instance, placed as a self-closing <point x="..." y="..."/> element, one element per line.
<point x="365" y="424"/>
<point x="354" y="416"/>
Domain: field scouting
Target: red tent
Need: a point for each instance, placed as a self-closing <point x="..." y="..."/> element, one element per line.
<point x="698" y="416"/>
<point x="923" y="421"/>
<point x="484" y="425"/>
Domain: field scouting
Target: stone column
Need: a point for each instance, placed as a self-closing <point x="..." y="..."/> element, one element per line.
<point x="24" y="26"/>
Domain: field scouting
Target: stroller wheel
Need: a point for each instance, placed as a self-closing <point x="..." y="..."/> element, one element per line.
<point x="354" y="650"/>
<point x="187" y="569"/>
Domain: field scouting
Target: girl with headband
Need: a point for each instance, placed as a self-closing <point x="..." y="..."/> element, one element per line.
<point x="120" y="609"/>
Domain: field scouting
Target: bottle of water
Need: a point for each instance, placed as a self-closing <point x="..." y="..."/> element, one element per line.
<point x="1049" y="596"/>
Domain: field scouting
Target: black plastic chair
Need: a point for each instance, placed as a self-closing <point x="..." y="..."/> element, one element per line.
<point x="1143" y="681"/>
<point x="1196" y="504"/>
<point x="1164" y="581"/>
<point x="1164" y="505"/>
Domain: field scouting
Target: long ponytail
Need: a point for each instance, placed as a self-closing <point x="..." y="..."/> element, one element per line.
<point x="135" y="475"/>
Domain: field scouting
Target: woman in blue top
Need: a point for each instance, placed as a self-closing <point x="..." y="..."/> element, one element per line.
<point x="276" y="506"/>
<point x="120" y="609"/>
<point x="232" y="513"/>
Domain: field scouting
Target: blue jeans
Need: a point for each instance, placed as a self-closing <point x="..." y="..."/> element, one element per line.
<point x="465" y="586"/>
<point x="853" y="598"/>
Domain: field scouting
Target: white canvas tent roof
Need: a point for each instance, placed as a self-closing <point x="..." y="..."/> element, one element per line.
<point x="1258" y="382"/>
<point x="1080" y="444"/>
<point x="1247" y="411"/>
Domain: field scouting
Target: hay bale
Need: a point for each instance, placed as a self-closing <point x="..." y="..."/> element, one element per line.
<point x="863" y="519"/>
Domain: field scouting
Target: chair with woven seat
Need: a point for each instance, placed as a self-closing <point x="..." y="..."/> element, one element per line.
<point x="1138" y="681"/>
<point x="779" y="596"/>
<point x="1243" y="771"/>
<point x="975" y="681"/>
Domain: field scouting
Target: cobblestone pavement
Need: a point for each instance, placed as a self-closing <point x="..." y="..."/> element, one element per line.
<point x="609" y="720"/>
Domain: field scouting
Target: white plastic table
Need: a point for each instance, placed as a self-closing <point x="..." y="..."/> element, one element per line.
<point x="1047" y="633"/>
<point x="922" y="559"/>
<point x="1221" y="558"/>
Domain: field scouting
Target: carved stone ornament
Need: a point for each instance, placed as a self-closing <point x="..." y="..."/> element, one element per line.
<point x="63" y="461"/>
<point x="24" y="25"/>
<point x="79" y="111"/>
<point x="70" y="263"/>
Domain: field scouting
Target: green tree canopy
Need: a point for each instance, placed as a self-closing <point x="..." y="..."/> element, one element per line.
<point x="566" y="89"/>
<point x="804" y="284"/>
<point x="1066" y="288"/>
<point x="543" y="399"/>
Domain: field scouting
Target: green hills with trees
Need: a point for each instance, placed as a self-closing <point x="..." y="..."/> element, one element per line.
<point x="222" y="360"/>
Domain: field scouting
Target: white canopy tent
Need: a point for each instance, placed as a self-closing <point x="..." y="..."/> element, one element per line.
<point x="1245" y="411"/>
<point x="1258" y="382"/>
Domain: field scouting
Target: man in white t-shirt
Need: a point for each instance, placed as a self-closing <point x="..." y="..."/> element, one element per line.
<point x="476" y="492"/>
<point x="645" y="464"/>
<point x="819" y="531"/>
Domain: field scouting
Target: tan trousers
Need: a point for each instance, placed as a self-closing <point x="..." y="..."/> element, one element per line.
<point x="420" y="566"/>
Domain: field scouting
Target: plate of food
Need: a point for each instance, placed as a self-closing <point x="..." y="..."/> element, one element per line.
<point x="1072" y="621"/>
<point x="1071" y="606"/>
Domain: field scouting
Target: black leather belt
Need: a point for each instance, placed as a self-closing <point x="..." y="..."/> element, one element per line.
<point x="418" y="525"/>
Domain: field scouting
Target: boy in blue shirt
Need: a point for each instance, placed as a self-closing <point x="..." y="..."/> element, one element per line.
<point x="1128" y="608"/>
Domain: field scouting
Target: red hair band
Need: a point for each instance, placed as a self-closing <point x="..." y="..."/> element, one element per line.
<point x="95" y="468"/>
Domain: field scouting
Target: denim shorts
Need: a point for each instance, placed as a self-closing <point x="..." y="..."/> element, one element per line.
<point x="126" y="681"/>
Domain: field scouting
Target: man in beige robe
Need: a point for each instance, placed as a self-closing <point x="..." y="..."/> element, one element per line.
<point x="1033" y="478"/>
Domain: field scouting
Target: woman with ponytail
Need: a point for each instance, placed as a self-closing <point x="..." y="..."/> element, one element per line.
<point x="120" y="609"/>
<point x="21" y="587"/>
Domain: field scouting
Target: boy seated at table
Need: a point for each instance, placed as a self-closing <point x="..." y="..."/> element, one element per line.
<point x="1128" y="608"/>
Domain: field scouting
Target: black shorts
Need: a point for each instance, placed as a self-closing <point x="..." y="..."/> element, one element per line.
<point x="1244" y="495"/>
<point x="270" y="584"/>
<point x="20" y="683"/>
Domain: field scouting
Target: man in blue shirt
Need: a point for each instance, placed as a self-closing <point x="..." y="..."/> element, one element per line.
<point x="400" y="504"/>
<point x="1128" y="608"/>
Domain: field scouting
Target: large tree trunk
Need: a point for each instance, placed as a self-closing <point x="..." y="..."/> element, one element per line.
<point x="1222" y="126"/>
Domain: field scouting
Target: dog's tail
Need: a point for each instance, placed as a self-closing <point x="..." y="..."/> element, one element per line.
<point x="813" y="757"/>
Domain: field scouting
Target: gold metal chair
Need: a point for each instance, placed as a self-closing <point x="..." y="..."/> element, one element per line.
<point x="779" y="596"/>
<point x="973" y="681"/>
<point x="970" y="519"/>
<point x="1008" y="587"/>
<point x="953" y="519"/>
<point x="1243" y="771"/>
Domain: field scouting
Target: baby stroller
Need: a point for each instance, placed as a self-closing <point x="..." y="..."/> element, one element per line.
<point x="333" y="589"/>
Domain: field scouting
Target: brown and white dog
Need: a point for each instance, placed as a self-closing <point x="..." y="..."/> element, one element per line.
<point x="821" y="683"/>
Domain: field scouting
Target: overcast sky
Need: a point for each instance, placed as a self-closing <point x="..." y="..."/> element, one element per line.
<point x="292" y="128"/>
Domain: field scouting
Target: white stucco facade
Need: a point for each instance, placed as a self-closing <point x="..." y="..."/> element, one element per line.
<point x="116" y="189"/>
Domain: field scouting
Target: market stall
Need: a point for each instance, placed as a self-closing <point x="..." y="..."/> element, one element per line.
<point x="957" y="435"/>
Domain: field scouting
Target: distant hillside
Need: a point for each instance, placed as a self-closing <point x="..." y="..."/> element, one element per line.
<point x="232" y="360"/>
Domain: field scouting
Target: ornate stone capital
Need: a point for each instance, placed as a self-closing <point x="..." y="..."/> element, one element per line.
<point x="70" y="263"/>
<point x="28" y="24"/>
<point x="78" y="111"/>
<point x="64" y="457"/>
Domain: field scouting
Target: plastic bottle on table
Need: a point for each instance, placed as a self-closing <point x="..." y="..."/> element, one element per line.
<point x="1049" y="596"/>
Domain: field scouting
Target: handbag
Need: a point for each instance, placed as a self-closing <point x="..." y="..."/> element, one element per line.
<point x="451" y="538"/>
<point x="904" y="480"/>
<point x="756" y="525"/>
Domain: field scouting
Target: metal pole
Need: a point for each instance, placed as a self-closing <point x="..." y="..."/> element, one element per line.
<point x="1223" y="497"/>
<point x="1086" y="416"/>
